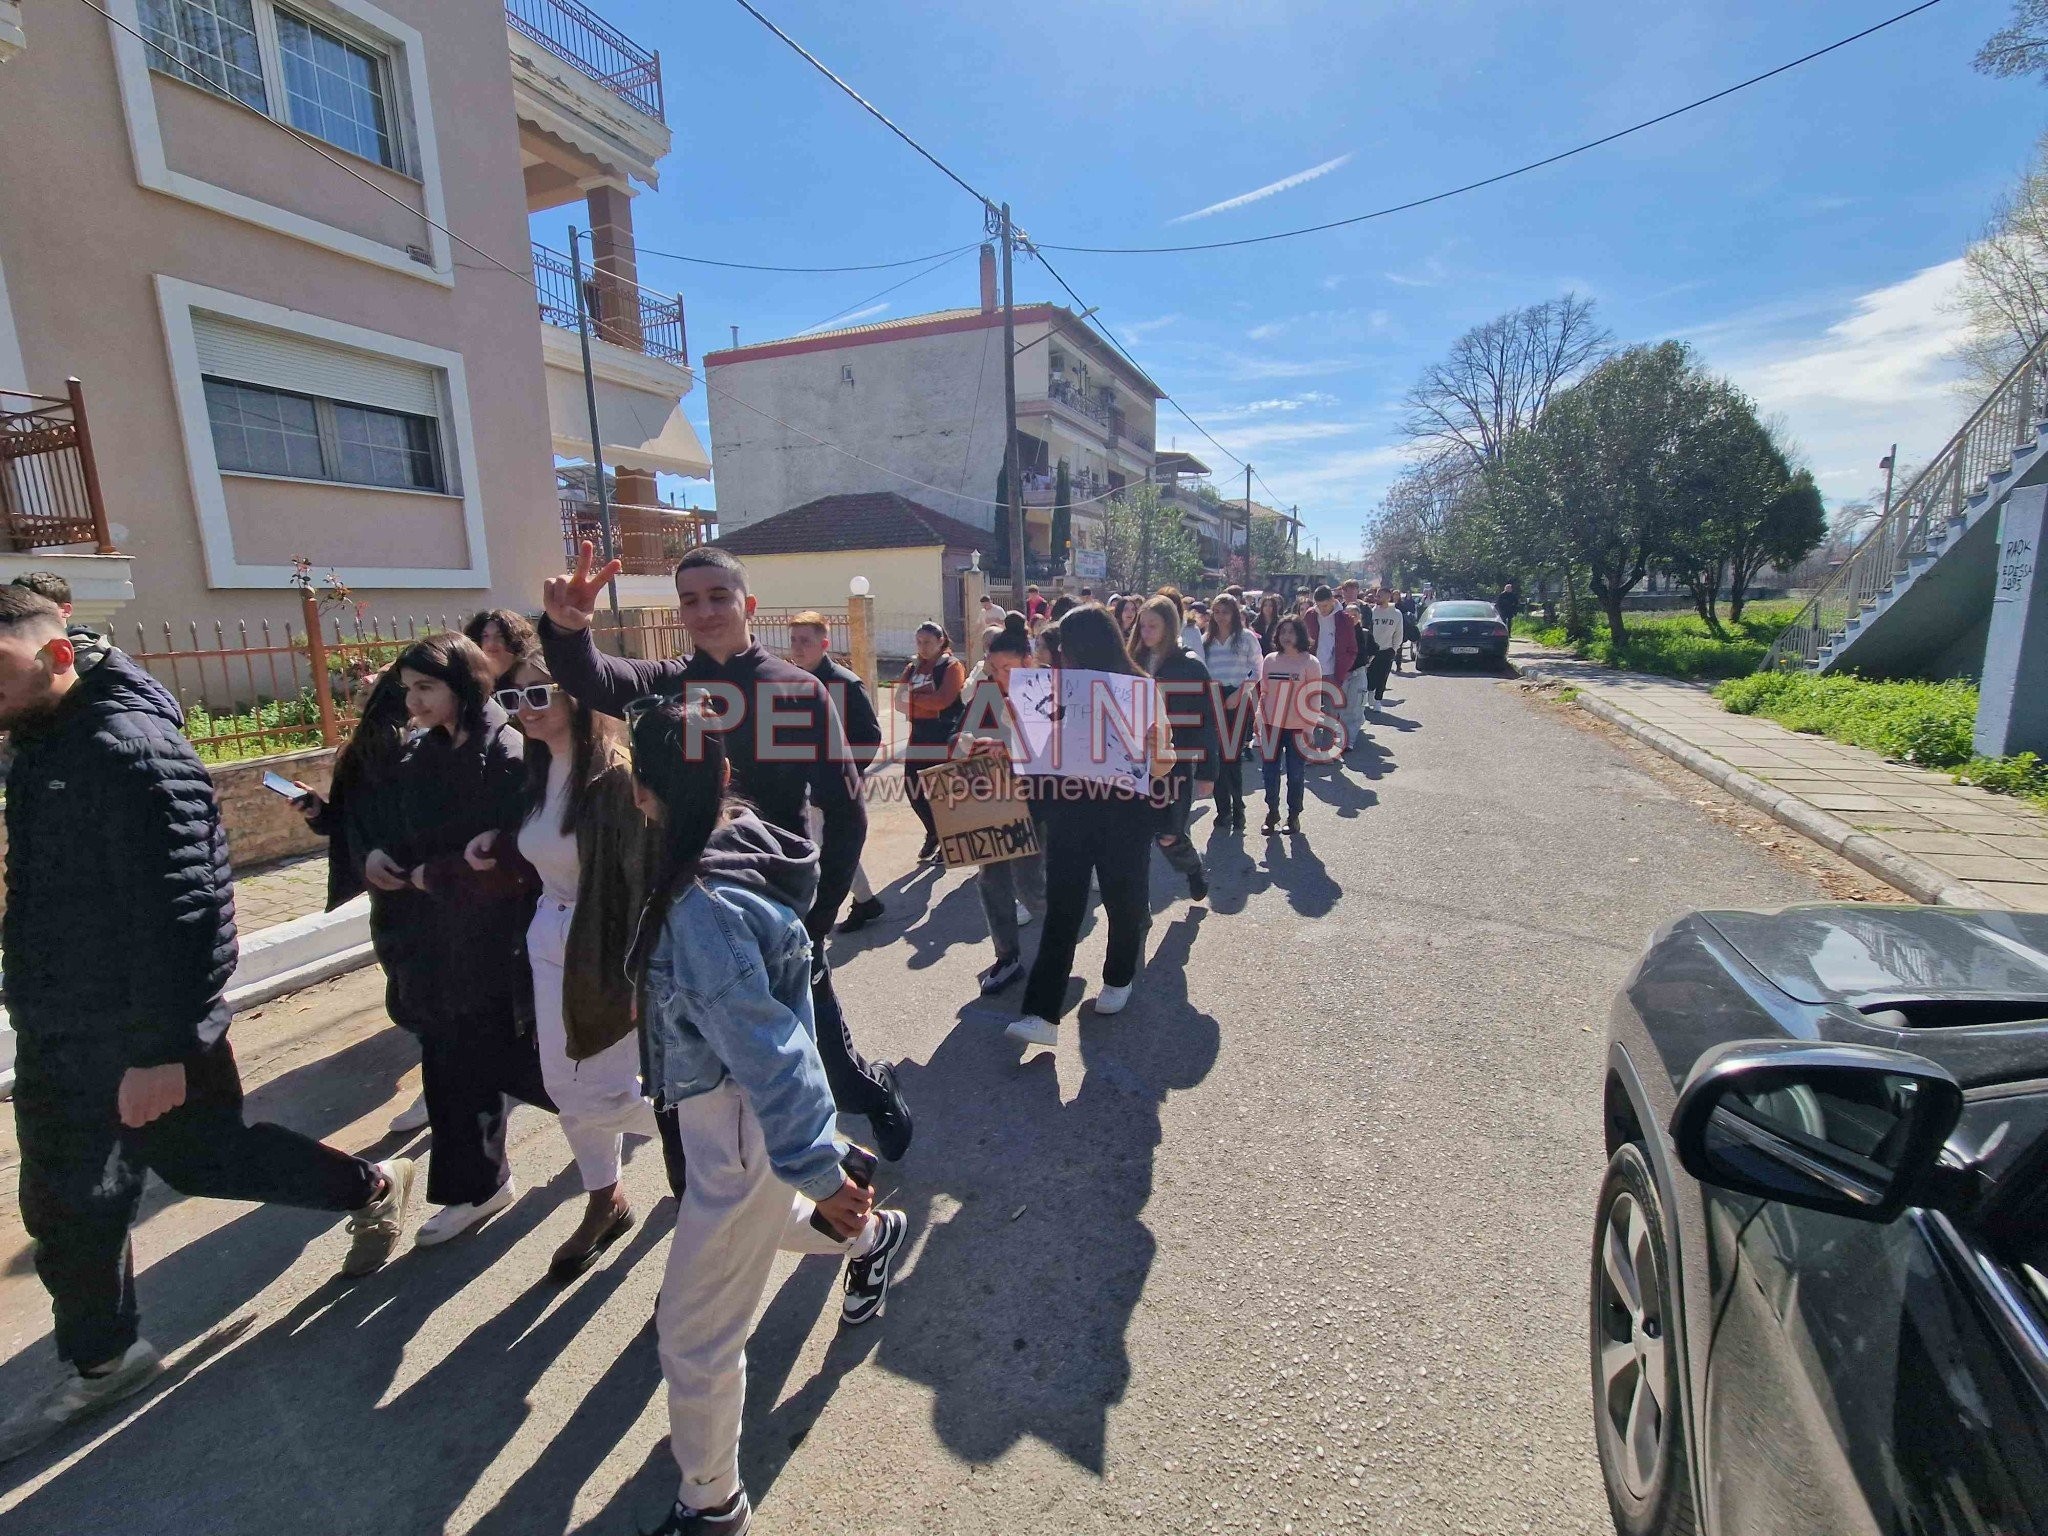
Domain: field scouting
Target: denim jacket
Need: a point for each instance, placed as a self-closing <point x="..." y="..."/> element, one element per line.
<point x="728" y="994"/>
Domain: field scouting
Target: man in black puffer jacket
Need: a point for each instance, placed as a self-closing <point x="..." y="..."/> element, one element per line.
<point x="120" y="939"/>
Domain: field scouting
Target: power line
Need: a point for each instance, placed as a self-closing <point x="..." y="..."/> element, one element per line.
<point x="756" y="266"/>
<point x="871" y="109"/>
<point x="945" y="261"/>
<point x="1520" y="170"/>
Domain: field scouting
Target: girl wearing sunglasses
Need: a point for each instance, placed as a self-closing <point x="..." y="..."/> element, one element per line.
<point x="583" y="844"/>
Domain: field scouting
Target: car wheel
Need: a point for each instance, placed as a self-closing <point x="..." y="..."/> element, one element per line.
<point x="1637" y="1422"/>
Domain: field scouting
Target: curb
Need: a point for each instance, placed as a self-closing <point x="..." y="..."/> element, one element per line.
<point x="280" y="959"/>
<point x="1915" y="877"/>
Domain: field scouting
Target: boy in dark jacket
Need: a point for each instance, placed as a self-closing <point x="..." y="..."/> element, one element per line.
<point x="810" y="647"/>
<point x="120" y="939"/>
<point x="788" y="754"/>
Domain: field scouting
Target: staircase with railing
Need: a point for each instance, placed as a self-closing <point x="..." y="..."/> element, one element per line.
<point x="1908" y="593"/>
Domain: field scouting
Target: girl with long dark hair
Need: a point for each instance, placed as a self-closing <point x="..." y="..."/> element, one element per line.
<point x="1231" y="653"/>
<point x="929" y="694"/>
<point x="584" y="847"/>
<point x="351" y="815"/>
<point x="1268" y="615"/>
<point x="731" y="1053"/>
<point x="1289" y="677"/>
<point x="1186" y="697"/>
<point x="454" y="955"/>
<point x="1092" y="830"/>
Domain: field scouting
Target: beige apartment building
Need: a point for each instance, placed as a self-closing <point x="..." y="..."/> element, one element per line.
<point x="919" y="402"/>
<point x="286" y="353"/>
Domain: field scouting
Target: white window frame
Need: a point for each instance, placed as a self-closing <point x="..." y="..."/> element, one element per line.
<point x="177" y="299"/>
<point x="407" y="100"/>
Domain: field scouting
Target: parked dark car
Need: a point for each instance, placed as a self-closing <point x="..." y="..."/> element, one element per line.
<point x="1818" y="1301"/>
<point x="1461" y="630"/>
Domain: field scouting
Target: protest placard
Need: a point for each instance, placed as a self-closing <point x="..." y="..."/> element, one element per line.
<point x="1084" y="725"/>
<point x="979" y="812"/>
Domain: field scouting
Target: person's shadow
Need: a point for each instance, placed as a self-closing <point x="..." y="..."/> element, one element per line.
<point x="1292" y="865"/>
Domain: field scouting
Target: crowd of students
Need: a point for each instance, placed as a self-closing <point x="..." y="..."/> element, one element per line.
<point x="599" y="886"/>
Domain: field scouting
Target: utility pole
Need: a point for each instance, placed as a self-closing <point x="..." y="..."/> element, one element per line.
<point x="1247" y="525"/>
<point x="1294" y="534"/>
<point x="1890" y="461"/>
<point x="604" y="501"/>
<point x="1013" y="490"/>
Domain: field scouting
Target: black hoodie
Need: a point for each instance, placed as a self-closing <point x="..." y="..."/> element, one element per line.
<point x="120" y="926"/>
<point x="747" y="851"/>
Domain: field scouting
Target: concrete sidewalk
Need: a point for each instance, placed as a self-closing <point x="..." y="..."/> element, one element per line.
<point x="1942" y="835"/>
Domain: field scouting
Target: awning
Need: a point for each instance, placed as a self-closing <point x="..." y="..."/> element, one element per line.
<point x="640" y="430"/>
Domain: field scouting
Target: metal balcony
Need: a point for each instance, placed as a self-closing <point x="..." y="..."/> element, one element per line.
<point x="577" y="35"/>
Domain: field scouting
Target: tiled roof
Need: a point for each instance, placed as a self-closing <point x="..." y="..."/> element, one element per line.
<point x="861" y="520"/>
<point x="897" y="324"/>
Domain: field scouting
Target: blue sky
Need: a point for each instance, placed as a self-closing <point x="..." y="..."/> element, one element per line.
<point x="1801" y="235"/>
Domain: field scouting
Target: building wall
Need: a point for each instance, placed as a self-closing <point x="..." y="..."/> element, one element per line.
<point x="926" y="413"/>
<point x="84" y="247"/>
<point x="903" y="582"/>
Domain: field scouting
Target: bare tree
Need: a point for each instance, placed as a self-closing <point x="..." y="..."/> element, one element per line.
<point x="2004" y="294"/>
<point x="1500" y="376"/>
<point x="2020" y="47"/>
<point x="1406" y="533"/>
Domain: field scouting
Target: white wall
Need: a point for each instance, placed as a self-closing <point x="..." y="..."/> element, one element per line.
<point x="926" y="414"/>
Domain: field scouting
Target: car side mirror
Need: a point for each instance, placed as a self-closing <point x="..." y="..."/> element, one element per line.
<point x="1849" y="1129"/>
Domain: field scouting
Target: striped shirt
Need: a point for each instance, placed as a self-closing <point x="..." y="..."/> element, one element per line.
<point x="1233" y="661"/>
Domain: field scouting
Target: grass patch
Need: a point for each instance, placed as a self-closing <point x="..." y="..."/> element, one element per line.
<point x="1926" y="724"/>
<point x="1676" y="644"/>
<point x="285" y="725"/>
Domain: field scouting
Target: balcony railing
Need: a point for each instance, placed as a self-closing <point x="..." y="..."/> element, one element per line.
<point x="577" y="35"/>
<point x="620" y="312"/>
<point x="49" y="484"/>
<point x="649" y="540"/>
<point x="1076" y="399"/>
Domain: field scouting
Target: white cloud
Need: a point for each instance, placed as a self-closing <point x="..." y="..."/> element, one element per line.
<point x="1267" y="331"/>
<point x="1290" y="402"/>
<point x="1270" y="189"/>
<point x="1881" y="373"/>
<point x="1136" y="329"/>
<point x="838" y="321"/>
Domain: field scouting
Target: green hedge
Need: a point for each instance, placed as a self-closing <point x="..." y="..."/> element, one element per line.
<point x="1674" y="644"/>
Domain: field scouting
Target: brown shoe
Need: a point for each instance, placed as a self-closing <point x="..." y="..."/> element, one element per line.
<point x="598" y="1230"/>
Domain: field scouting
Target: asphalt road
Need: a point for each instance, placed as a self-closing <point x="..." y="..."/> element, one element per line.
<point x="1297" y="1243"/>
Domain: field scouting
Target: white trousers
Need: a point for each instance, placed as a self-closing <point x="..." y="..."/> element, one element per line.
<point x="598" y="1098"/>
<point x="814" y="820"/>
<point x="734" y="1216"/>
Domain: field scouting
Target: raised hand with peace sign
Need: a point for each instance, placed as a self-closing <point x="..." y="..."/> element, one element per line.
<point x="571" y="601"/>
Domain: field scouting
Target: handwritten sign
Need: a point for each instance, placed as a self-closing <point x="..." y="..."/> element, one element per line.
<point x="980" y="812"/>
<point x="2015" y="570"/>
<point x="1084" y="725"/>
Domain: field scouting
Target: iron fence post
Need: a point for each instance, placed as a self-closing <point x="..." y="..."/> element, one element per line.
<point x="89" y="466"/>
<point x="316" y="653"/>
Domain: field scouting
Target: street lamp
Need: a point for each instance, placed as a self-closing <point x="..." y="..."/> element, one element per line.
<point x="860" y="586"/>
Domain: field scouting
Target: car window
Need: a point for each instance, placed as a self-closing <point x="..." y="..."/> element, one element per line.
<point x="1461" y="611"/>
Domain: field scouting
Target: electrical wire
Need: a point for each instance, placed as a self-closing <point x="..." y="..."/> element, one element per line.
<point x="946" y="261"/>
<point x="871" y="109"/>
<point x="1495" y="180"/>
<point x="756" y="266"/>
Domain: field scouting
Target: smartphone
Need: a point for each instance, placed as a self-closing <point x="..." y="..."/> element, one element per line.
<point x="859" y="1165"/>
<point x="278" y="784"/>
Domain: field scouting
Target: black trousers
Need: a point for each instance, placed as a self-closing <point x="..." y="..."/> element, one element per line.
<point x="1230" y="771"/>
<point x="82" y="1173"/>
<point x="1376" y="672"/>
<point x="1172" y="824"/>
<point x="1110" y="840"/>
<point x="854" y="1087"/>
<point x="469" y="1067"/>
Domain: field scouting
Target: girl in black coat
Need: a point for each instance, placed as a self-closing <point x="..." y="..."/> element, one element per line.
<point x="455" y="958"/>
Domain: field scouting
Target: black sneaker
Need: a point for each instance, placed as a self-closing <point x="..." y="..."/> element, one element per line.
<point x="867" y="1279"/>
<point x="733" y="1518"/>
<point x="1001" y="974"/>
<point x="1198" y="884"/>
<point x="891" y="1122"/>
<point x="1294" y="826"/>
<point x="929" y="853"/>
<point x="860" y="914"/>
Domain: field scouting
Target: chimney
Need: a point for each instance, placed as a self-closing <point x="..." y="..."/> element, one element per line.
<point x="988" y="279"/>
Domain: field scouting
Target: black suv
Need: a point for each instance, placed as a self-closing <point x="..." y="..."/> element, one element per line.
<point x="1818" y="1295"/>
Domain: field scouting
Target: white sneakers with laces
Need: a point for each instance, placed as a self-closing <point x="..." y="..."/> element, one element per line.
<point x="454" y="1220"/>
<point x="1111" y="999"/>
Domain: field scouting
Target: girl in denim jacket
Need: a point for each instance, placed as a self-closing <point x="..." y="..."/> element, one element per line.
<point x="731" y="1053"/>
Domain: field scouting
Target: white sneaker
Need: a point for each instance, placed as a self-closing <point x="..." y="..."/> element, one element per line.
<point x="454" y="1220"/>
<point x="1112" y="999"/>
<point x="77" y="1397"/>
<point x="1023" y="915"/>
<point x="410" y="1119"/>
<point x="1032" y="1030"/>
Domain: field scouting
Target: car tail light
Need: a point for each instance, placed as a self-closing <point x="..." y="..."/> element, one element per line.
<point x="1498" y="628"/>
<point x="1429" y="631"/>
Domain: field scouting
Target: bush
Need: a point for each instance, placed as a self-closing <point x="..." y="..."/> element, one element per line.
<point x="1674" y="645"/>
<point x="1928" y="724"/>
<point x="2022" y="774"/>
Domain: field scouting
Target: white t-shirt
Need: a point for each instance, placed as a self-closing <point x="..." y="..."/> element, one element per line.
<point x="543" y="843"/>
<point x="1388" y="626"/>
<point x="1326" y="640"/>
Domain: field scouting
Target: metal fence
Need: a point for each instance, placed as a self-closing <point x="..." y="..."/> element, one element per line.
<point x="1921" y="517"/>
<point x="657" y="634"/>
<point x="577" y="35"/>
<point x="649" y="540"/>
<point x="49" y="483"/>
<point x="620" y="312"/>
